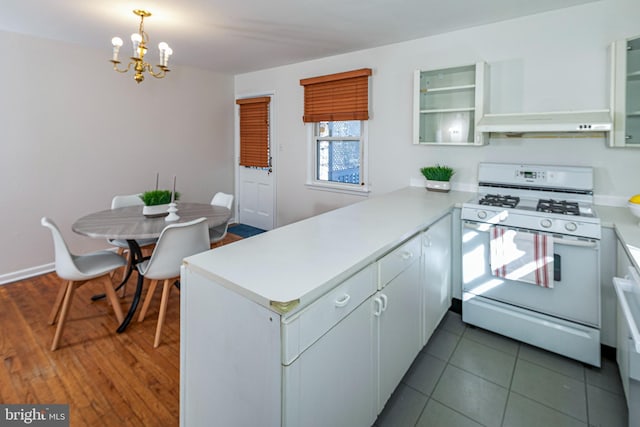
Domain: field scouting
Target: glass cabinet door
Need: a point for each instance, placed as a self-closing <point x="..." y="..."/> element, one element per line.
<point x="626" y="93"/>
<point x="447" y="104"/>
<point x="633" y="92"/>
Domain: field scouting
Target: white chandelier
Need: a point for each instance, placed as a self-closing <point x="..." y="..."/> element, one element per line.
<point x="139" y="41"/>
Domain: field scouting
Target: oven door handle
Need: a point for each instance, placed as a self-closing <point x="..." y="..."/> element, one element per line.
<point x="484" y="227"/>
<point x="580" y="243"/>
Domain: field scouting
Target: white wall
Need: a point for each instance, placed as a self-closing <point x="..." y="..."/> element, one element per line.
<point x="73" y="133"/>
<point x="546" y="62"/>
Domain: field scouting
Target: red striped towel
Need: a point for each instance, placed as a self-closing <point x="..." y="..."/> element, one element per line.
<point x="521" y="255"/>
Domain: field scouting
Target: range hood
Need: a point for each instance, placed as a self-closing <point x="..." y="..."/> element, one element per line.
<point x="554" y="122"/>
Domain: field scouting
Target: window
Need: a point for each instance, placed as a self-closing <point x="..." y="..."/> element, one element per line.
<point x="336" y="112"/>
<point x="338" y="152"/>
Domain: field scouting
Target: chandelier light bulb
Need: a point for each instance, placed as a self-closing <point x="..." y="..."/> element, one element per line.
<point x="116" y="42"/>
<point x="163" y="46"/>
<point x="135" y="40"/>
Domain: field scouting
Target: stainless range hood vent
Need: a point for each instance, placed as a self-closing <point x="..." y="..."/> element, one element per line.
<point x="554" y="122"/>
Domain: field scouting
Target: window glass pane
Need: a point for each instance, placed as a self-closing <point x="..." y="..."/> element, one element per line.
<point x="338" y="129"/>
<point x="338" y="161"/>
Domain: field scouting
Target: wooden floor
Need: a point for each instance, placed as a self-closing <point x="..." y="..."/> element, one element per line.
<point x="107" y="379"/>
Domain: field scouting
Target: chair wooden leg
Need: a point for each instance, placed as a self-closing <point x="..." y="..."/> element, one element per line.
<point x="56" y="305"/>
<point x="68" y="296"/>
<point x="113" y="298"/>
<point x="147" y="300"/>
<point x="166" y="290"/>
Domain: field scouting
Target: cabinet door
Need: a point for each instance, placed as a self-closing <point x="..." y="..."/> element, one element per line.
<point x="448" y="103"/>
<point x="332" y="382"/>
<point x="436" y="277"/>
<point x="626" y="93"/>
<point x="397" y="310"/>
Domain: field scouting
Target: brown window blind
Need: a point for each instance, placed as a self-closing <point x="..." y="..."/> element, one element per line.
<point x="254" y="131"/>
<point x="341" y="96"/>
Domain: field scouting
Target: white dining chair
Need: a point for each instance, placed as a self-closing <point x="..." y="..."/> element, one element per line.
<point x="176" y="242"/>
<point x="218" y="233"/>
<point x="76" y="270"/>
<point x="122" y="201"/>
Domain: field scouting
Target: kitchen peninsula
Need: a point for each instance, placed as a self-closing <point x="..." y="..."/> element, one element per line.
<point x="316" y="308"/>
<point x="328" y="312"/>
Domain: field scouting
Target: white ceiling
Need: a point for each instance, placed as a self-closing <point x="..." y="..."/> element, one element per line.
<point x="237" y="36"/>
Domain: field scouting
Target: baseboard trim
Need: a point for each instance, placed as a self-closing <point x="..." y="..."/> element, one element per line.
<point x="26" y="273"/>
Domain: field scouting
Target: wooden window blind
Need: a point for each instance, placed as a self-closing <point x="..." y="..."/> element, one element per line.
<point x="336" y="97"/>
<point x="254" y="131"/>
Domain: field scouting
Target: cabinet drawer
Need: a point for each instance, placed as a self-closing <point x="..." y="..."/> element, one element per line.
<point x="313" y="322"/>
<point x="398" y="260"/>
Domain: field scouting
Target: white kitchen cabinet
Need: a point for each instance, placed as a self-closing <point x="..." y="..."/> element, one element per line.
<point x="397" y="310"/>
<point x="448" y="103"/>
<point x="330" y="379"/>
<point x="608" y="300"/>
<point x="625" y="97"/>
<point x="332" y="382"/>
<point x="436" y="275"/>
<point x="623" y="261"/>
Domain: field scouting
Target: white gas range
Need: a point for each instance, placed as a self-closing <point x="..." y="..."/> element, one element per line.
<point x="531" y="257"/>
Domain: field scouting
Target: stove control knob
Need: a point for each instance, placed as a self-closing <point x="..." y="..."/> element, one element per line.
<point x="482" y="214"/>
<point x="546" y="223"/>
<point x="571" y="226"/>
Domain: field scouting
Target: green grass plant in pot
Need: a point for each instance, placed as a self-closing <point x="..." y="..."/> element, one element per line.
<point x="156" y="202"/>
<point x="438" y="177"/>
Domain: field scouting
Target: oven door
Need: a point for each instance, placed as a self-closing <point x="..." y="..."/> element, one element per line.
<point x="575" y="295"/>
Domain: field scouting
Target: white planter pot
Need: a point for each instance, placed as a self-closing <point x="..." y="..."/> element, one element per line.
<point x="155" y="211"/>
<point x="441" y="186"/>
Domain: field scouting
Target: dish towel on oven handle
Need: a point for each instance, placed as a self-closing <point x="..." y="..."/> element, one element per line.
<point x="521" y="255"/>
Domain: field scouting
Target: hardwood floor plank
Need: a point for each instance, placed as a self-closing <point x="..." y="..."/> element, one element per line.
<point x="108" y="379"/>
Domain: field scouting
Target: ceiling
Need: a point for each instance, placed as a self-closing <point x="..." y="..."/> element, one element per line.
<point x="237" y="36"/>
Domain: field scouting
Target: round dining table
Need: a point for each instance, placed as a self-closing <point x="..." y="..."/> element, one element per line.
<point x="128" y="223"/>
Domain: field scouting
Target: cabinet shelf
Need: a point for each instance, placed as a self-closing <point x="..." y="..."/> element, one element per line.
<point x="446" y="110"/>
<point x="447" y="89"/>
<point x="448" y="103"/>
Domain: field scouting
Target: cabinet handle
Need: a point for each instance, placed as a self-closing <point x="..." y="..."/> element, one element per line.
<point x="406" y="255"/>
<point x="378" y="309"/>
<point x="383" y="297"/>
<point x="343" y="301"/>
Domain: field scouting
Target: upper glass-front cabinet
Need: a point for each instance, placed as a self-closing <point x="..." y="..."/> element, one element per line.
<point x="625" y="98"/>
<point x="448" y="103"/>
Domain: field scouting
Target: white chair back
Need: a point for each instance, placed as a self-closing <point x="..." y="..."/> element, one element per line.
<point x="222" y="199"/>
<point x="64" y="260"/>
<point x="176" y="242"/>
<point x="126" y="200"/>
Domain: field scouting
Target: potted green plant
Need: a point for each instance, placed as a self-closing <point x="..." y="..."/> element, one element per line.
<point x="438" y="177"/>
<point x="156" y="202"/>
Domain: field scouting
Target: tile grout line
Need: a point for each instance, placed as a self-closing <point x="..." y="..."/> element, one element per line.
<point x="513" y="374"/>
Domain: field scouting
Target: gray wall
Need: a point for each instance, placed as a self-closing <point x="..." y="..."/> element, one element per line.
<point x="74" y="133"/>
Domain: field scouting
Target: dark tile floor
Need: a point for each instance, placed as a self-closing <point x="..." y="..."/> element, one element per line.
<point x="466" y="376"/>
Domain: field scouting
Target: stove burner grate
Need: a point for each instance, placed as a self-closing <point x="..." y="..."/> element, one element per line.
<point x="499" y="200"/>
<point x="558" y="206"/>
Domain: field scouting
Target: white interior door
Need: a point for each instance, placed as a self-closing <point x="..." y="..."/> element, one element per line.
<point x="256" y="186"/>
<point x="256" y="198"/>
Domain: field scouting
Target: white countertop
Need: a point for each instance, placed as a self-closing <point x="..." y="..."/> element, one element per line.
<point x="626" y="227"/>
<point x="304" y="260"/>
